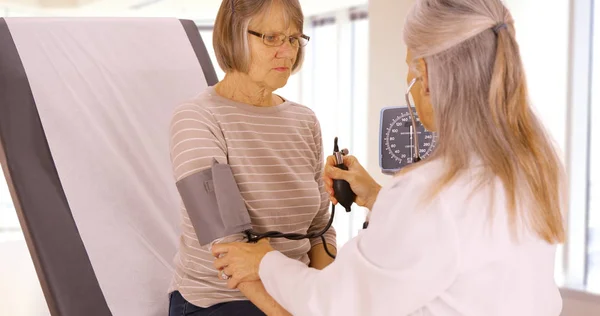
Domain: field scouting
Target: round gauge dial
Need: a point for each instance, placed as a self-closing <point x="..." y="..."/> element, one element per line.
<point x="398" y="136"/>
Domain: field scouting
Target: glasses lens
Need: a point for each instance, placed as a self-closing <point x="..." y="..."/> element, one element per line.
<point x="303" y="41"/>
<point x="273" y="39"/>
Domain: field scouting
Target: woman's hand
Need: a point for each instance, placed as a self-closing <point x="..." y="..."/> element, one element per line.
<point x="361" y="182"/>
<point x="240" y="261"/>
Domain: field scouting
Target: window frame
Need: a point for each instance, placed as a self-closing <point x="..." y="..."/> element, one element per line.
<point x="575" y="250"/>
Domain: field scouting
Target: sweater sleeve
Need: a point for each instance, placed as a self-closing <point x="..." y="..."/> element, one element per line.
<point x="196" y="141"/>
<point x="406" y="258"/>
<point x="323" y="215"/>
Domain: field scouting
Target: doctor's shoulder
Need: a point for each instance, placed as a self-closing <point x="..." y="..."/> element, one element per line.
<point x="422" y="185"/>
<point x="424" y="173"/>
<point x="414" y="184"/>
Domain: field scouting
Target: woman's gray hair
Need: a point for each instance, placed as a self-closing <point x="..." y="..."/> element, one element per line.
<point x="230" y="33"/>
<point x="479" y="95"/>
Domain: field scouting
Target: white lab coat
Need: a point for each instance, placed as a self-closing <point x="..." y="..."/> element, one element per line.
<point x="445" y="257"/>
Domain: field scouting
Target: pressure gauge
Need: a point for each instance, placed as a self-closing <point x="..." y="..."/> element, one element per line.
<point x="396" y="146"/>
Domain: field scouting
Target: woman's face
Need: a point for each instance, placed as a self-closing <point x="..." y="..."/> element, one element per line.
<point x="420" y="91"/>
<point x="270" y="67"/>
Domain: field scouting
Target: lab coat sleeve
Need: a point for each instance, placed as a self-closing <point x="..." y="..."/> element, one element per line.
<point x="406" y="258"/>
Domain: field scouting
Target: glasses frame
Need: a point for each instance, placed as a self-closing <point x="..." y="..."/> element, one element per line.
<point x="288" y="38"/>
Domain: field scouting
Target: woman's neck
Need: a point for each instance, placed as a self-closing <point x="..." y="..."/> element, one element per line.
<point x="239" y="87"/>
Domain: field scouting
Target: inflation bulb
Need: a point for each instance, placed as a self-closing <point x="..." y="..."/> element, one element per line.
<point x="341" y="188"/>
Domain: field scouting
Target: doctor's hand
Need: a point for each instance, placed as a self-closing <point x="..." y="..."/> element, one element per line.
<point x="240" y="261"/>
<point x="361" y="182"/>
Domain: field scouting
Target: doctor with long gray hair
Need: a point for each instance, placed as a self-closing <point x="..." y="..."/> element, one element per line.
<point x="471" y="230"/>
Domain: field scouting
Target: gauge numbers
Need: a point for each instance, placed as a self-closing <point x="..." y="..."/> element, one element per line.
<point x="396" y="147"/>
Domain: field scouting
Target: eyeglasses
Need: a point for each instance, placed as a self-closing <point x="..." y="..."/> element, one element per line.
<point x="416" y="156"/>
<point x="277" y="39"/>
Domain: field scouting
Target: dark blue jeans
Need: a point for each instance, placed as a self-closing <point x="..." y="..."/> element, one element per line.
<point x="178" y="306"/>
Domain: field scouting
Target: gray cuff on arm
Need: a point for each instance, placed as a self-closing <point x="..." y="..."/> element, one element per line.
<point x="214" y="203"/>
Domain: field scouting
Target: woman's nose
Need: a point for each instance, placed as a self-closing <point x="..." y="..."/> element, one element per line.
<point x="287" y="49"/>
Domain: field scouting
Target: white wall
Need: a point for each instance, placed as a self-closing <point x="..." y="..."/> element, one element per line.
<point x="387" y="70"/>
<point x="544" y="42"/>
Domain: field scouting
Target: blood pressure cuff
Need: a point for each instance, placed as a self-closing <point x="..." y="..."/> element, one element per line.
<point x="214" y="203"/>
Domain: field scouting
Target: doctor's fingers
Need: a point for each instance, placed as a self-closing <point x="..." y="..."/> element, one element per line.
<point x="233" y="257"/>
<point x="228" y="271"/>
<point x="233" y="282"/>
<point x="224" y="248"/>
<point x="330" y="162"/>
<point x="335" y="173"/>
<point x="234" y="274"/>
<point x="349" y="160"/>
<point x="221" y="263"/>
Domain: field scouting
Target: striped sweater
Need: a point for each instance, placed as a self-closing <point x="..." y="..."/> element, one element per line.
<point x="277" y="159"/>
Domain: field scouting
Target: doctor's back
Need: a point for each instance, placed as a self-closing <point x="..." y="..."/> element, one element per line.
<point x="505" y="268"/>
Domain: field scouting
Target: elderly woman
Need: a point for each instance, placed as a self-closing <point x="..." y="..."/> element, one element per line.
<point x="473" y="229"/>
<point x="273" y="146"/>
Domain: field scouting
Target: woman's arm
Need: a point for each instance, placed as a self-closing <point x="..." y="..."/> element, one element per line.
<point x="256" y="293"/>
<point x="319" y="258"/>
<point x="195" y="141"/>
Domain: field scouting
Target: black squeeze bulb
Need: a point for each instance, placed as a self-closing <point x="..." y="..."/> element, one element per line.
<point x="341" y="188"/>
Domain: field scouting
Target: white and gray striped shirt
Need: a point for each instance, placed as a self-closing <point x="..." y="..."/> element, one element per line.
<point x="277" y="159"/>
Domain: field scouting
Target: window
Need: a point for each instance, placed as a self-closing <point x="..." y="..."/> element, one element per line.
<point x="582" y="248"/>
<point x="575" y="78"/>
<point x="593" y="193"/>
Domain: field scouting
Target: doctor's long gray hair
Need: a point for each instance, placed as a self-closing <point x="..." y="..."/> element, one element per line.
<point x="479" y="95"/>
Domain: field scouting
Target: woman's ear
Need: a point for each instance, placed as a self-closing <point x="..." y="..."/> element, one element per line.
<point x="422" y="67"/>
